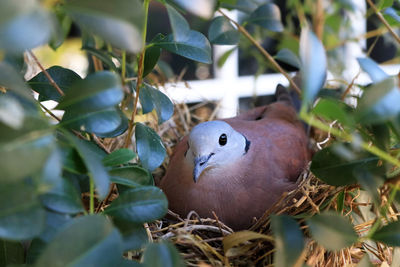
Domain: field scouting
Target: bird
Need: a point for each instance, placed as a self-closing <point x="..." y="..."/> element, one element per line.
<point x="238" y="167"/>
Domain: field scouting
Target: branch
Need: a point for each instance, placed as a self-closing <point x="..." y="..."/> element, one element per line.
<point x="242" y="30"/>
<point x="383" y="20"/>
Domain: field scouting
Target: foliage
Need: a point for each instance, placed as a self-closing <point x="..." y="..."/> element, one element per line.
<point x="47" y="166"/>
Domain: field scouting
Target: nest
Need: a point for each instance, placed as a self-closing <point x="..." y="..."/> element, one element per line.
<point x="201" y="240"/>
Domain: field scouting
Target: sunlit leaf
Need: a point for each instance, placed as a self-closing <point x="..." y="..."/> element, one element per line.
<point x="11" y="112"/>
<point x="332" y="230"/>
<point x="118" y="22"/>
<point x="371" y="67"/>
<point x="267" y="16"/>
<point x="201" y="8"/>
<point x="149" y="147"/>
<point x="222" y="32"/>
<point x="161" y="255"/>
<point x="100" y="244"/>
<point x="152" y="98"/>
<point x="289" y="241"/>
<point x="332" y="109"/>
<point x="313" y="66"/>
<point x="24" y="25"/>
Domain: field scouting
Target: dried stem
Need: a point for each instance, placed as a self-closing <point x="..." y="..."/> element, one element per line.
<point x="383" y="20"/>
<point x="319" y="19"/>
<point x="242" y="30"/>
<point x="52" y="82"/>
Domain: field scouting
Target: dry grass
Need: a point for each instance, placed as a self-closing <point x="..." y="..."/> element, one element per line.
<point x="200" y="240"/>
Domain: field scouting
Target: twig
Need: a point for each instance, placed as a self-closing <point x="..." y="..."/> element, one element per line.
<point x="52" y="82"/>
<point x="139" y="78"/>
<point x="318" y="19"/>
<point x="383" y="20"/>
<point x="49" y="112"/>
<point x="263" y="51"/>
<point x="191" y="228"/>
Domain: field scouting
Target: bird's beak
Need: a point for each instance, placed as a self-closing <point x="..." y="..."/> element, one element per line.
<point x="200" y="163"/>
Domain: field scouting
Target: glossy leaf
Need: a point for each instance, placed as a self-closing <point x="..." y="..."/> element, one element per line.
<point x="267" y="16"/>
<point x="63" y="77"/>
<point x="374" y="71"/>
<point x="24" y="25"/>
<point x="149" y="147"/>
<point x="379" y="102"/>
<point x="222" y="32"/>
<point x="97" y="91"/>
<point x="332" y="230"/>
<point x="332" y="109"/>
<point x="11" y="112"/>
<point x="388" y="234"/>
<point x="163" y="254"/>
<point x="131" y="176"/>
<point x="152" y="98"/>
<point x="287" y="56"/>
<point x="21" y="215"/>
<point x="92" y="156"/>
<point x="134" y="235"/>
<point x="104" y="56"/>
<point x="12" y="80"/>
<point x="139" y="205"/>
<point x="391" y="13"/>
<point x="150" y="59"/>
<point x="184" y="41"/>
<point x="63" y="198"/>
<point x="100" y="122"/>
<point x="369" y="182"/>
<point x="201" y="8"/>
<point x="11" y="253"/>
<point x="24" y="152"/>
<point x="118" y="157"/>
<point x="313" y="66"/>
<point x="337" y="163"/>
<point x="100" y="244"/>
<point x="245" y="6"/>
<point x="118" y="22"/>
<point x="289" y="241"/>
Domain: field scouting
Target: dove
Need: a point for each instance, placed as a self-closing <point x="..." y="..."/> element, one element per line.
<point x="238" y="167"/>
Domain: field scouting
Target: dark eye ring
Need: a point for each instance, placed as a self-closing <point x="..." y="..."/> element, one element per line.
<point x="223" y="139"/>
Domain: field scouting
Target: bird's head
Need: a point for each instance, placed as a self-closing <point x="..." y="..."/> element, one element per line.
<point x="212" y="144"/>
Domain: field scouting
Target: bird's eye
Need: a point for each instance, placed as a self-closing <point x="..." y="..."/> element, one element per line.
<point x="223" y="139"/>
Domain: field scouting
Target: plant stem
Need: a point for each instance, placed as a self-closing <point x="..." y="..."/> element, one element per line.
<point x="242" y="30"/>
<point x="348" y="138"/>
<point x="91" y="200"/>
<point x="383" y="20"/>
<point x="140" y="76"/>
<point x="123" y="67"/>
<point x="49" y="112"/>
<point x="52" y="82"/>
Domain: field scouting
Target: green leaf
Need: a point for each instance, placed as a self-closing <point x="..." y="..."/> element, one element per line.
<point x="392" y="16"/>
<point x="63" y="198"/>
<point x="222" y="32"/>
<point x="369" y="182"/>
<point x="134" y="235"/>
<point x="222" y="59"/>
<point x="163" y="254"/>
<point x="11" y="253"/>
<point x="337" y="163"/>
<point x="371" y="67"/>
<point x="287" y="56"/>
<point x="289" y="241"/>
<point x="267" y="16"/>
<point x="11" y="112"/>
<point x="21" y="216"/>
<point x="12" y="80"/>
<point x="64" y="78"/>
<point x="62" y="28"/>
<point x="332" y="230"/>
<point x="313" y="66"/>
<point x="104" y="56"/>
<point x="119" y="22"/>
<point x="97" y="91"/>
<point x="201" y="8"/>
<point x="332" y="109"/>
<point x="103" y="122"/>
<point x="379" y="102"/>
<point x="131" y="176"/>
<point x="118" y="157"/>
<point x="92" y="156"/>
<point x="139" y="205"/>
<point x="151" y="98"/>
<point x="388" y="234"/>
<point x="184" y="41"/>
<point x="24" y="25"/>
<point x="100" y="244"/>
<point x="150" y="59"/>
<point x="149" y="147"/>
<point x="24" y="152"/>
